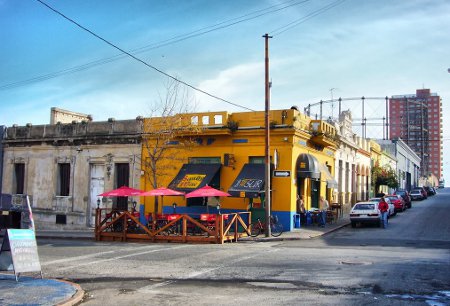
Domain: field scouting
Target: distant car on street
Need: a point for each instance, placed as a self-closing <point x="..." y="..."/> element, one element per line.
<point x="365" y="212"/>
<point x="422" y="191"/>
<point x="430" y="190"/>
<point x="397" y="200"/>
<point x="392" y="211"/>
<point x="406" y="197"/>
<point x="416" y="194"/>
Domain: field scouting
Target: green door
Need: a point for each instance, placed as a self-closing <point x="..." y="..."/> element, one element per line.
<point x="315" y="191"/>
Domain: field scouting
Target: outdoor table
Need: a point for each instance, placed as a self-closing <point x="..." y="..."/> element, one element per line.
<point x="337" y="209"/>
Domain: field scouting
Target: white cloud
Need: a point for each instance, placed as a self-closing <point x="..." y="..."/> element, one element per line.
<point x="242" y="84"/>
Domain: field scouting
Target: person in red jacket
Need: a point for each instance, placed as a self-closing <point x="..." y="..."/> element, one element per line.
<point x="384" y="209"/>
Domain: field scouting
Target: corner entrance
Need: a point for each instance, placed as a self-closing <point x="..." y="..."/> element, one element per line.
<point x="307" y="169"/>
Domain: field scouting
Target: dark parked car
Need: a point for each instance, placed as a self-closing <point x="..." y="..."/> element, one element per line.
<point x="430" y="190"/>
<point x="406" y="197"/>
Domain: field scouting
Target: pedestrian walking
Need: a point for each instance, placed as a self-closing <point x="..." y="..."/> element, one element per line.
<point x="384" y="208"/>
<point x="323" y="206"/>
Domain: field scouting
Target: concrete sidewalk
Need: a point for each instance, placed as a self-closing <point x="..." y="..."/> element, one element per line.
<point x="304" y="232"/>
<point x="87" y="234"/>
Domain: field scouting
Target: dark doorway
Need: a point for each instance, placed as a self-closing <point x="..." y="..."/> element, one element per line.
<point x="122" y="179"/>
<point x="315" y="191"/>
<point x="408" y="181"/>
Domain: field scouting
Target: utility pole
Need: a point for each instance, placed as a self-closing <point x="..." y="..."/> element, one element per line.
<point x="267" y="197"/>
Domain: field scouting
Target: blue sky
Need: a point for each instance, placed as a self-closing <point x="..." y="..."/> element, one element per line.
<point x="372" y="48"/>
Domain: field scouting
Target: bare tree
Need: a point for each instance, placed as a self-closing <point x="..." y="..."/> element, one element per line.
<point x="168" y="131"/>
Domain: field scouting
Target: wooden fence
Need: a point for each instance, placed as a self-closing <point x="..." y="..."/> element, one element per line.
<point x="115" y="225"/>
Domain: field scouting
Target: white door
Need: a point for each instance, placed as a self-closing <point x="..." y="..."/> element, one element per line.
<point x="96" y="186"/>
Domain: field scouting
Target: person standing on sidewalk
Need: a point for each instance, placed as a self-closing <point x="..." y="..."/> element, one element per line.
<point x="301" y="208"/>
<point x="323" y="206"/>
<point x="384" y="208"/>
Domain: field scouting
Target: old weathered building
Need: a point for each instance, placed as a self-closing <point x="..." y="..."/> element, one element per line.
<point x="63" y="167"/>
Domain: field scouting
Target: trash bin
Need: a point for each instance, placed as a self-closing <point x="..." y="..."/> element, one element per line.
<point x="296" y="221"/>
<point x="308" y="218"/>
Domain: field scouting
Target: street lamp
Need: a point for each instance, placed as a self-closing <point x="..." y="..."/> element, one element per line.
<point x="218" y="208"/>
<point x="174" y="205"/>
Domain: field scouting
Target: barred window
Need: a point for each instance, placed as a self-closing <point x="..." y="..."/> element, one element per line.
<point x="19" y="178"/>
<point x="64" y="179"/>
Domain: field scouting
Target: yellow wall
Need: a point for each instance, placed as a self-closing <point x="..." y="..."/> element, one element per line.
<point x="289" y="137"/>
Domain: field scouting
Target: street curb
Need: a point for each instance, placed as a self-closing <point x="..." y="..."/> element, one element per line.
<point x="71" y="237"/>
<point x="76" y="298"/>
<point x="270" y="239"/>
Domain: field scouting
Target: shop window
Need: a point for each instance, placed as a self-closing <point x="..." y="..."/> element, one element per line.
<point x="64" y="179"/>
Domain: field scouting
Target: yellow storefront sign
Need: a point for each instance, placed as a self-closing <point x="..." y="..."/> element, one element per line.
<point x="191" y="181"/>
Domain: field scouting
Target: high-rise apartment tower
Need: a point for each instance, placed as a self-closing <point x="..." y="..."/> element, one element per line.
<point x="417" y="120"/>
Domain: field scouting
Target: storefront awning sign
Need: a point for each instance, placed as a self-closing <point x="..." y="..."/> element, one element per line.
<point x="249" y="182"/>
<point x="194" y="176"/>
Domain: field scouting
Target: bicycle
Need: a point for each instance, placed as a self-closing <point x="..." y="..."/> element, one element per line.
<point x="258" y="227"/>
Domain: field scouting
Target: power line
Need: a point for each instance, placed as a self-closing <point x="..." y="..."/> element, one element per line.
<point x="303" y="19"/>
<point x="140" y="60"/>
<point x="178" y="38"/>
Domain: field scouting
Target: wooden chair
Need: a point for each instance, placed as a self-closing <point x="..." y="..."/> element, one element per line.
<point x="331" y="216"/>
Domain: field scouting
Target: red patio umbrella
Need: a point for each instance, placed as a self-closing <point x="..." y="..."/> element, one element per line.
<point x="162" y="191"/>
<point x="207" y="191"/>
<point x="123" y="191"/>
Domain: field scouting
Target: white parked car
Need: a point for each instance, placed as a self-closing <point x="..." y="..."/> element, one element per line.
<point x="365" y="212"/>
<point x="392" y="211"/>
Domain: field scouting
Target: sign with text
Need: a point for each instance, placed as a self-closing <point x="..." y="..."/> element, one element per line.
<point x="23" y="248"/>
<point x="191" y="181"/>
<point x="282" y="173"/>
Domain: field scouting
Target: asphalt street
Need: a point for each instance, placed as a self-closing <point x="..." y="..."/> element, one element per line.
<point x="406" y="264"/>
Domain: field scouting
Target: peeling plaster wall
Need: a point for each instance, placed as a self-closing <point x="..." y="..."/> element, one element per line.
<point x="41" y="148"/>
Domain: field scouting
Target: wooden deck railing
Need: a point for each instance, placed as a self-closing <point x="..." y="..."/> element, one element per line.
<point x="114" y="225"/>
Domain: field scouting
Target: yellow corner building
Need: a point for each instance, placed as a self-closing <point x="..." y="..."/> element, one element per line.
<point x="227" y="152"/>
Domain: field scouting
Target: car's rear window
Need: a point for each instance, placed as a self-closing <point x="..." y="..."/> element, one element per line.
<point x="364" y="206"/>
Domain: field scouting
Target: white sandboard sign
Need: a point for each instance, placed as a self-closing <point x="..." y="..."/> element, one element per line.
<point x="21" y="243"/>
